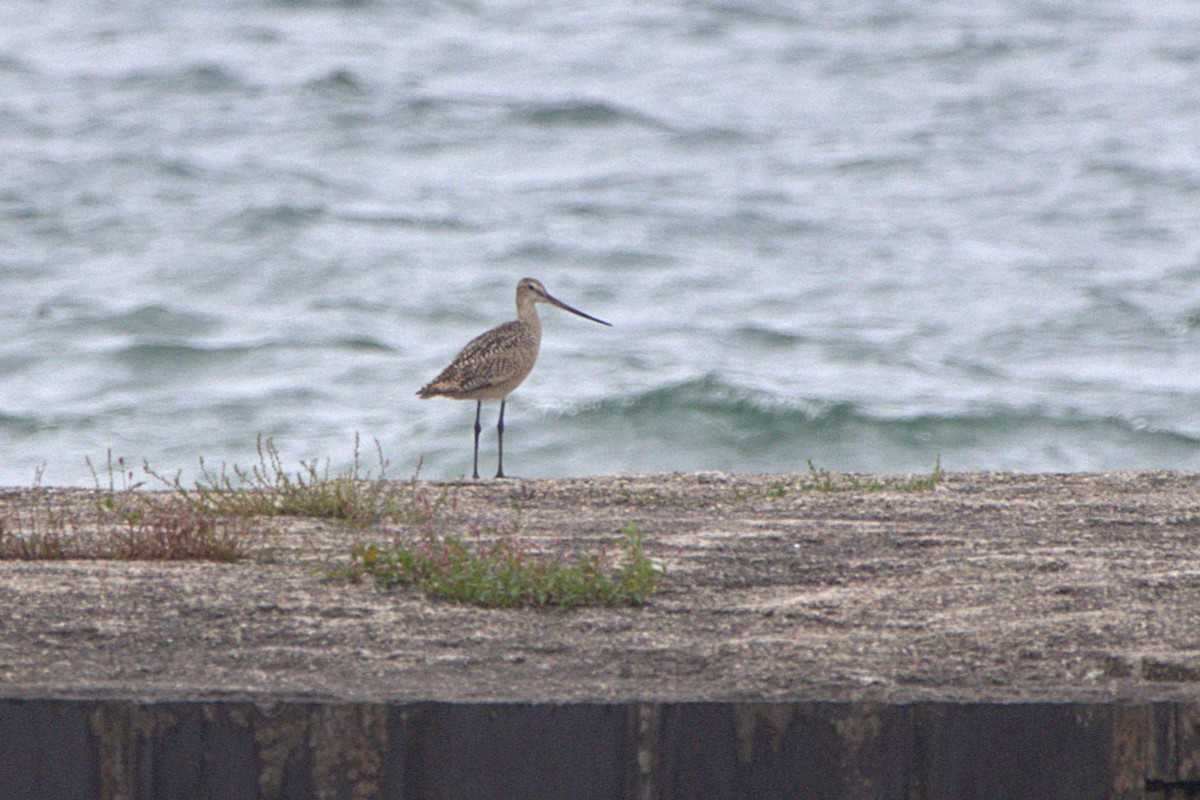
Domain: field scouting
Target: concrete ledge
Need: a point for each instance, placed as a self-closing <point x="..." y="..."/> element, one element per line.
<point x="642" y="751"/>
<point x="996" y="636"/>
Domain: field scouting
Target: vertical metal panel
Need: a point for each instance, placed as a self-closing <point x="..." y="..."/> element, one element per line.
<point x="976" y="751"/>
<point x="503" y="751"/>
<point x="46" y="750"/>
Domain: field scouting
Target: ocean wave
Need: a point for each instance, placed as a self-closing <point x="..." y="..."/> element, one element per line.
<point x="711" y="401"/>
<point x="157" y="355"/>
<point x="323" y="4"/>
<point x="19" y="424"/>
<point x="417" y="220"/>
<point x="203" y="78"/>
<point x="712" y="396"/>
<point x="28" y="424"/>
<point x="178" y="355"/>
<point x="71" y="317"/>
<point x="258" y="220"/>
<point x="762" y="13"/>
<point x="156" y="319"/>
<point x="583" y="112"/>
<point x="552" y="254"/>
<point x="713" y="136"/>
<point x="339" y="82"/>
<point x="362" y="344"/>
<point x="16" y="66"/>
<point x="758" y="335"/>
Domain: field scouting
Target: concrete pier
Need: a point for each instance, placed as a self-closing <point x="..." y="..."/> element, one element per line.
<point x="994" y="636"/>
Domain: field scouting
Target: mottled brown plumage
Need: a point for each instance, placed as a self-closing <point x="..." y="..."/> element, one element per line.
<point x="491" y="365"/>
<point x="495" y="363"/>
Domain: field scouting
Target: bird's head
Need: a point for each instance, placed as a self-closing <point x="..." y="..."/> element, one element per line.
<point x="531" y="290"/>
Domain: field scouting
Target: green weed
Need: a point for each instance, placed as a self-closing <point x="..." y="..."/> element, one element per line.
<point x="504" y="573"/>
<point x="823" y="480"/>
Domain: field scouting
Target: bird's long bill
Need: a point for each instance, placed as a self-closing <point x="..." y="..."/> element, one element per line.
<point x="556" y="302"/>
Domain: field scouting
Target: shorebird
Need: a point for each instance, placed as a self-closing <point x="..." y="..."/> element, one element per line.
<point x="496" y="362"/>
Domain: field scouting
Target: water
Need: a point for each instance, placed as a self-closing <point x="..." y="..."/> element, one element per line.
<point x="867" y="234"/>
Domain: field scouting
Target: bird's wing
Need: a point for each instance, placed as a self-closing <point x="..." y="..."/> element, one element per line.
<point x="484" y="361"/>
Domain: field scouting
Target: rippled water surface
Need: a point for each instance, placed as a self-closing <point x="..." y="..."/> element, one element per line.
<point x="867" y="234"/>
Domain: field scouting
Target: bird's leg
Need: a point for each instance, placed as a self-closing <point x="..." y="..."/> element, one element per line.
<point x="500" y="443"/>
<point x="478" y="408"/>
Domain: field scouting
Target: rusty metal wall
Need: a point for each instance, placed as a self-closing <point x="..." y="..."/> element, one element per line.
<point x="205" y="750"/>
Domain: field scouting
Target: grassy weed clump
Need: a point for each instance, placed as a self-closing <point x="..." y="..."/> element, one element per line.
<point x="172" y="531"/>
<point x="357" y="495"/>
<point x="221" y="518"/>
<point x="819" y="479"/>
<point x="119" y="523"/>
<point x="36" y="531"/>
<point x="152" y="526"/>
<point x="218" y="518"/>
<point x="504" y="573"/>
<point x="35" y="546"/>
<point x="920" y="483"/>
<point x="823" y="480"/>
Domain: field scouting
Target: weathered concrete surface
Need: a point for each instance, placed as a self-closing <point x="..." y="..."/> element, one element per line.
<point x="990" y="587"/>
<point x="978" y="637"/>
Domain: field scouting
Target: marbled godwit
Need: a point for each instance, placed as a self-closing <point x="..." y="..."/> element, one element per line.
<point x="494" y="363"/>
